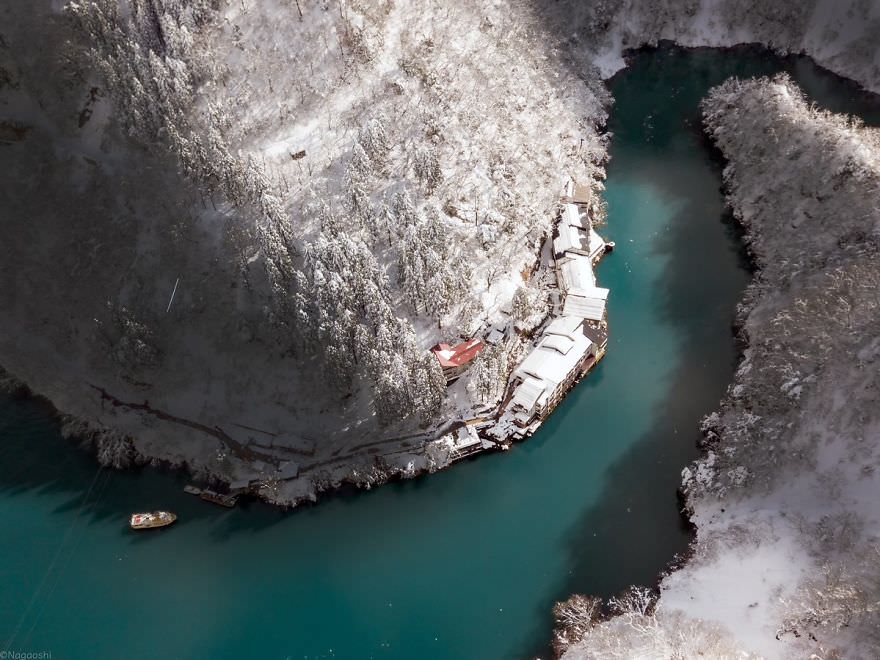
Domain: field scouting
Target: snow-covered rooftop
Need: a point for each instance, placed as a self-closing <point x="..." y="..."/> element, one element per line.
<point x="597" y="245"/>
<point x="547" y="363"/>
<point x="573" y="217"/>
<point x="466" y="436"/>
<point x="559" y="343"/>
<point x="494" y="337"/>
<point x="588" y="303"/>
<point x="576" y="272"/>
<point x="528" y="393"/>
<point x="571" y="239"/>
<point x="567" y="326"/>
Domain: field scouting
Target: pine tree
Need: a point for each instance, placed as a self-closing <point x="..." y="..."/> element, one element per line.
<point x="427" y="388"/>
<point x="385" y="219"/>
<point x="426" y="167"/>
<point x="374" y="139"/>
<point x="487" y="376"/>
<point x="477" y="376"/>
<point x="405" y="214"/>
<point x="360" y="167"/>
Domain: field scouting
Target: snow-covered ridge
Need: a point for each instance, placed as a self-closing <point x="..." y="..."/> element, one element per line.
<point x="785" y="560"/>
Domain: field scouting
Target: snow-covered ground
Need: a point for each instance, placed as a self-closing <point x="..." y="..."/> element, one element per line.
<point x="839" y="34"/>
<point x="785" y="563"/>
<point x="323" y="216"/>
<point x="337" y="186"/>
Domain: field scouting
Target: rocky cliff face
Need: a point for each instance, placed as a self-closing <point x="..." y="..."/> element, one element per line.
<point x="785" y="561"/>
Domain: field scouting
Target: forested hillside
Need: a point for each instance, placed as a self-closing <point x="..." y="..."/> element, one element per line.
<point x="261" y="215"/>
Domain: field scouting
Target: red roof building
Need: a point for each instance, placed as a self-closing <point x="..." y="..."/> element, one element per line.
<point x="455" y="359"/>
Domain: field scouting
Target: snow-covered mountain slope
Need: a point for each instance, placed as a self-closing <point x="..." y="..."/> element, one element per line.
<point x="329" y="188"/>
<point x="785" y="563"/>
<point x="839" y="34"/>
<point x="234" y="228"/>
<point x="325" y="190"/>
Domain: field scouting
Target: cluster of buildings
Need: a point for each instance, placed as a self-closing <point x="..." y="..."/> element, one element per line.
<point x="567" y="347"/>
<point x="576" y="248"/>
<point x="577" y="338"/>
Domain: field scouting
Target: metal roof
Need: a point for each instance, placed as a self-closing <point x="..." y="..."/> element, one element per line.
<point x="576" y="272"/>
<point x="548" y="364"/>
<point x="576" y="193"/>
<point x="456" y="356"/>
<point x="528" y="393"/>
<point x="591" y="292"/>
<point x="597" y="335"/>
<point x="586" y="303"/>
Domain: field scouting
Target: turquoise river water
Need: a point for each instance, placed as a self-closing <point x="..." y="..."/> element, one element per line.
<point x="465" y="563"/>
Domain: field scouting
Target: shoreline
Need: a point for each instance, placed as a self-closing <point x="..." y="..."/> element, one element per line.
<point x="445" y="447"/>
<point x="717" y="484"/>
<point x="361" y="469"/>
<point x="348" y="470"/>
<point x="379" y="477"/>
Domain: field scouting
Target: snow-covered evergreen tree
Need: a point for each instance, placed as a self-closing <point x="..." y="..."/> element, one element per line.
<point x="487" y="377"/>
<point x="426" y="167"/>
<point x="404" y="211"/>
<point x="528" y="308"/>
<point x="374" y="139"/>
<point x="428" y="270"/>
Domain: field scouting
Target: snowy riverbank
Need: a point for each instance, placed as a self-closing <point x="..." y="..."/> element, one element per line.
<point x="280" y="474"/>
<point x="784" y="500"/>
<point x="313" y="259"/>
<point x="228" y="376"/>
<point x="232" y="381"/>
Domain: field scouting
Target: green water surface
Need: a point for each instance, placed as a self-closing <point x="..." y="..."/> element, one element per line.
<point x="465" y="563"/>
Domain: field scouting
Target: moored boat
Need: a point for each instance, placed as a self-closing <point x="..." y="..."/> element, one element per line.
<point x="218" y="498"/>
<point x="152" y="520"/>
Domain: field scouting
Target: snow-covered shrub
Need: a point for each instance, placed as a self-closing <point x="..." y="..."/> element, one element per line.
<point x="574" y="618"/>
<point x="838" y="601"/>
<point x="528" y="307"/>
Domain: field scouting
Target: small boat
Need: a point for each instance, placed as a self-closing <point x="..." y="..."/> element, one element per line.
<point x="218" y="498"/>
<point x="152" y="520"/>
<point x="192" y="490"/>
